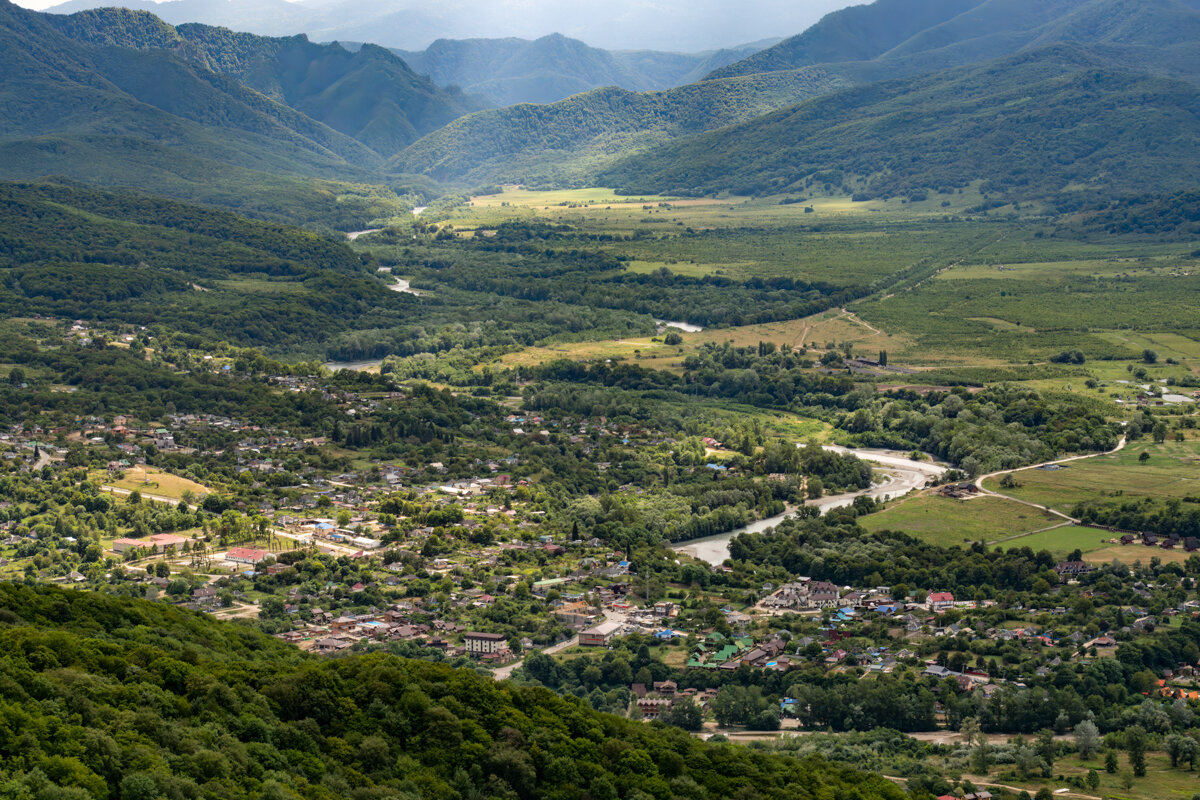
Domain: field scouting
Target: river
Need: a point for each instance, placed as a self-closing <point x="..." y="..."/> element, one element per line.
<point x="897" y="475"/>
<point x="401" y="285"/>
<point x="686" y="327"/>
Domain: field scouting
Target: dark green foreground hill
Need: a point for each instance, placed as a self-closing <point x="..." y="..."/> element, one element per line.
<point x="105" y="697"/>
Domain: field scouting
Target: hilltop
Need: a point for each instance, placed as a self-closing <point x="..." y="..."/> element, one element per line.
<point x="1032" y="125"/>
<point x="554" y="67"/>
<point x="370" y="94"/>
<point x="168" y="702"/>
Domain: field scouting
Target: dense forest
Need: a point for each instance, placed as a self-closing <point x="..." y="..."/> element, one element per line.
<point x="105" y="697"/>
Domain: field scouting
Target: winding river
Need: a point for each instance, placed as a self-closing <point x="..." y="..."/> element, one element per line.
<point x="896" y="475"/>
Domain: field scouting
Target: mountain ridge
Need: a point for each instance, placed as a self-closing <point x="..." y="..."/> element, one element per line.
<point x="370" y="94"/>
<point x="1033" y="124"/>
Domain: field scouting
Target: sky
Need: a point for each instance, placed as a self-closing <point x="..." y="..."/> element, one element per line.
<point x="679" y="25"/>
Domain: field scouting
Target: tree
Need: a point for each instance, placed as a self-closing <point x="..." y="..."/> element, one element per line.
<point x="883" y="358"/>
<point x="1159" y="432"/>
<point x="684" y="714"/>
<point x="1149" y="356"/>
<point x="1110" y="762"/>
<point x="1181" y="750"/>
<point x="1093" y="779"/>
<point x="1135" y="744"/>
<point x="816" y="488"/>
<point x="1087" y="739"/>
<point x="1144" y="457"/>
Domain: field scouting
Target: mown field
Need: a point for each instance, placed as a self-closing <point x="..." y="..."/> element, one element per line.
<point x="948" y="522"/>
<point x="1173" y="471"/>
<point x="153" y="481"/>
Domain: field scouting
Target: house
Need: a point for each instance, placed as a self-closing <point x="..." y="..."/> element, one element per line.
<point x="650" y="707"/>
<point x="1071" y="569"/>
<point x="246" y="555"/>
<point x="823" y="594"/>
<point x="939" y="601"/>
<point x="599" y="635"/>
<point x="484" y="643"/>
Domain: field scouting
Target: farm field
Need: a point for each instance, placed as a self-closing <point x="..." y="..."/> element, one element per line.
<point x="1061" y="541"/>
<point x="154" y="481"/>
<point x="948" y="522"/>
<point x="1173" y="470"/>
<point x="1160" y="783"/>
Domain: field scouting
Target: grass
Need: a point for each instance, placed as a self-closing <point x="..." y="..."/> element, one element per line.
<point x="1172" y="471"/>
<point x="551" y="200"/>
<point x="1062" y="541"/>
<point x="155" y="482"/>
<point x="1135" y="553"/>
<point x="1161" y="782"/>
<point x="947" y="522"/>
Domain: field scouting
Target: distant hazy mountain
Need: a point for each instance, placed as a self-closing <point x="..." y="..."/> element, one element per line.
<point x="1059" y="119"/>
<point x="369" y="94"/>
<point x="153" y="120"/>
<point x="921" y="35"/>
<point x="685" y="26"/>
<point x="510" y="71"/>
<point x="888" y="39"/>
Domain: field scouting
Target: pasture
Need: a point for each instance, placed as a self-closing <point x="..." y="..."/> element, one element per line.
<point x="151" y="481"/>
<point x="1173" y="471"/>
<point x="948" y="522"/>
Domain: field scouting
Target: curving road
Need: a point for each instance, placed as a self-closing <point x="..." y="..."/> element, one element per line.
<point x="979" y="481"/>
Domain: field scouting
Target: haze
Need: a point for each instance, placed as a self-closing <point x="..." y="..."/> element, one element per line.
<point x="677" y="25"/>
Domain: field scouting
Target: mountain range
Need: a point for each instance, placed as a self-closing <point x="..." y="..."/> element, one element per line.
<point x="917" y="52"/>
<point x="669" y="25"/>
<point x="1030" y="98"/>
<point x="554" y="67"/>
<point x="369" y="94"/>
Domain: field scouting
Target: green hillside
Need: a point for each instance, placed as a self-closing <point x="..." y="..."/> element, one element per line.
<point x="568" y="141"/>
<point x="1033" y="125"/>
<point x="84" y="254"/>
<point x="107" y="697"/>
<point x="895" y="38"/>
<point x="150" y="120"/>
<point x="370" y="94"/>
<point x="858" y="33"/>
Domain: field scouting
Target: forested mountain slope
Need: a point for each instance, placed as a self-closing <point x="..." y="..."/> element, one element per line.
<point x="79" y="253"/>
<point x="568" y="141"/>
<point x="857" y="33"/>
<point x="906" y="37"/>
<point x="114" y="697"/>
<point x="1035" y="124"/>
<point x="150" y="119"/>
<point x="369" y="94"/>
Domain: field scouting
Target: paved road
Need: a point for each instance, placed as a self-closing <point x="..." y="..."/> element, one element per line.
<point x="505" y="672"/>
<point x="43" y="460"/>
<point x="979" y="481"/>
<point x="610" y="615"/>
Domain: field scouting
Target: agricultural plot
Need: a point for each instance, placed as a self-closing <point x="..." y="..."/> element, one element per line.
<point x="948" y="522"/>
<point x="151" y="481"/>
<point x="1173" y="471"/>
<point x="1062" y="541"/>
